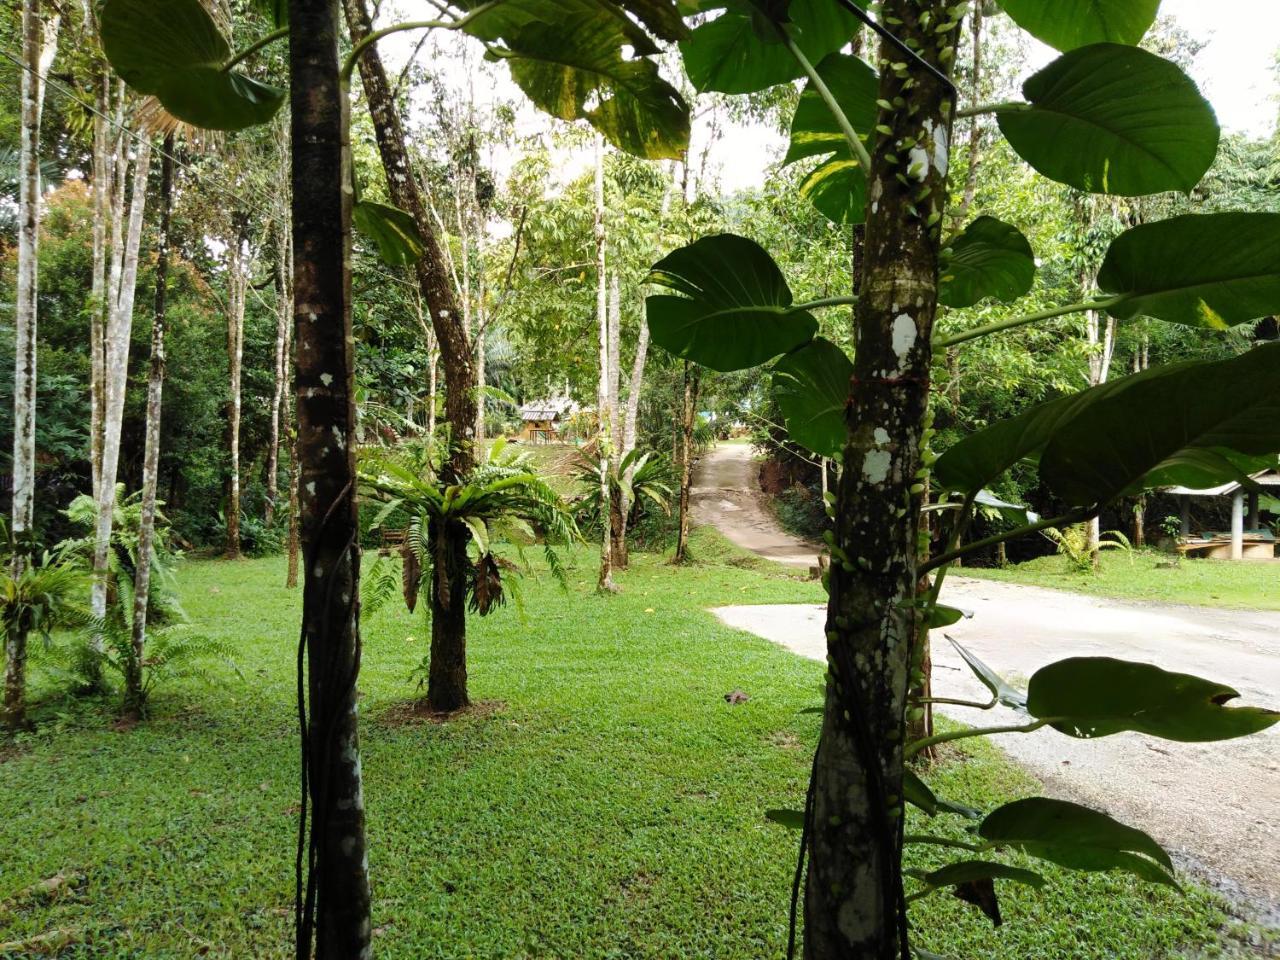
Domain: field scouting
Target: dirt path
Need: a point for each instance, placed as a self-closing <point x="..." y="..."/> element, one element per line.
<point x="725" y="496"/>
<point x="1215" y="805"/>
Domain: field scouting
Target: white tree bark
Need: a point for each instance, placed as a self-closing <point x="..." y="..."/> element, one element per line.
<point x="116" y="369"/>
<point x="237" y="292"/>
<point x="39" y="44"/>
<point x="602" y="394"/>
<point x="284" y="324"/>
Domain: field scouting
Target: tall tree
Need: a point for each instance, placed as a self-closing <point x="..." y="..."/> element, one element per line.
<point x="604" y="410"/>
<point x="283" y="342"/>
<point x="121" y="287"/>
<point x="133" y="698"/>
<point x="238" y="256"/>
<point x="334" y="908"/>
<point x="447" y="677"/>
<point x="38" y="44"/>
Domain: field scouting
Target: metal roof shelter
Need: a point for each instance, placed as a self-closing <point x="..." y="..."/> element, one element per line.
<point x="1244" y="515"/>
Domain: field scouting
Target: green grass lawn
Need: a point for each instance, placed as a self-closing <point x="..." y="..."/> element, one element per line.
<point x="608" y="804"/>
<point x="1139" y="576"/>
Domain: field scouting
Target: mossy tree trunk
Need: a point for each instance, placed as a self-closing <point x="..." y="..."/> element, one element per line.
<point x="853" y="905"/>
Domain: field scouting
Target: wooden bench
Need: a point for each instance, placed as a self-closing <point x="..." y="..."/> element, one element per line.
<point x="392" y="540"/>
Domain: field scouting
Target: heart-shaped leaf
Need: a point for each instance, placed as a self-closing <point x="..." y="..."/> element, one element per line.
<point x="739" y="52"/>
<point x="1067" y="24"/>
<point x="392" y="229"/>
<point x="990" y="258"/>
<point x="811" y="385"/>
<point x="735" y="311"/>
<point x="1076" y="837"/>
<point x="174" y="50"/>
<point x="1098" y="696"/>
<point x="1114" y="119"/>
<point x="1203" y="270"/>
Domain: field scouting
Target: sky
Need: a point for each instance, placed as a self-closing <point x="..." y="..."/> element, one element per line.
<point x="1236" y="71"/>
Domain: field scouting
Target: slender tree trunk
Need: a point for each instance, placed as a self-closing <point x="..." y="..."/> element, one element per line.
<point x="284" y="313"/>
<point x="24" y="373"/>
<point x="237" y="293"/>
<point x="336" y="906"/>
<point x="853" y="903"/>
<point x="134" y="695"/>
<point x="604" y="415"/>
<point x="116" y="354"/>
<point x="98" y="300"/>
<point x="688" y="417"/>
<point x="446" y="688"/>
<point x="975" y="123"/>
<point x="295" y="534"/>
<point x="629" y="430"/>
<point x="617" y="504"/>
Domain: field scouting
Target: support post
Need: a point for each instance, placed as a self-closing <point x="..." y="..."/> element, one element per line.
<point x="1252" y="522"/>
<point x="1186" y="516"/>
<point x="1237" y="526"/>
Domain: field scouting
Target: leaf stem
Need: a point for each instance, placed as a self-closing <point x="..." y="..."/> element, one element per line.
<point x="826" y="302"/>
<point x="999" y="325"/>
<point x="376" y="35"/>
<point x="855" y="142"/>
<point x="1008" y="106"/>
<point x="254" y="47"/>
<point x="916" y="746"/>
<point x="976" y="704"/>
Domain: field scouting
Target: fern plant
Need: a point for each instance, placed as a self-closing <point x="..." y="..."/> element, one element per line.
<point x="122" y="558"/>
<point x="650" y="480"/>
<point x="502" y="500"/>
<point x="1073" y="545"/>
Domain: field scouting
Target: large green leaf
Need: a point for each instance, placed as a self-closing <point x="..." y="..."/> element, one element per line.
<point x="146" y="40"/>
<point x="729" y="54"/>
<point x="1204" y="270"/>
<point x="1076" y="837"/>
<point x="811" y="385"/>
<point x="1192" y="423"/>
<point x="1097" y="696"/>
<point x="173" y="49"/>
<point x="1148" y="425"/>
<point x="735" y="311"/>
<point x="504" y="20"/>
<point x="918" y="793"/>
<point x="1067" y="24"/>
<point x="1114" y="119"/>
<point x="838" y="186"/>
<point x="990" y="258"/>
<point x="392" y="229"/>
<point x="972" y="463"/>
<point x="575" y="68"/>
<point x="968" y="871"/>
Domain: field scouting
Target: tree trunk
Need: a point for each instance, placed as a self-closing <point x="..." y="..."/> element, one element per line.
<point x="604" y="415"/>
<point x="134" y="695"/>
<point x="116" y="356"/>
<point x="294" y="537"/>
<point x="688" y="417"/>
<point x="98" y="301"/>
<point x="447" y="688"/>
<point x="617" y="504"/>
<point x="622" y="556"/>
<point x="237" y="293"/>
<point x="853" y="900"/>
<point x="284" y="312"/>
<point x="24" y="370"/>
<point x="336" y="906"/>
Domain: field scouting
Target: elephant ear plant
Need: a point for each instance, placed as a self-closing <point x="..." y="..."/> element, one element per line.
<point x="1104" y="117"/>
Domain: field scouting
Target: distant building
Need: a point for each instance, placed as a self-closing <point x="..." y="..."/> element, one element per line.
<point x="544" y="421"/>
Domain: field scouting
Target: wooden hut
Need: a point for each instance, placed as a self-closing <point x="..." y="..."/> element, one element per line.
<point x="543" y="421"/>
